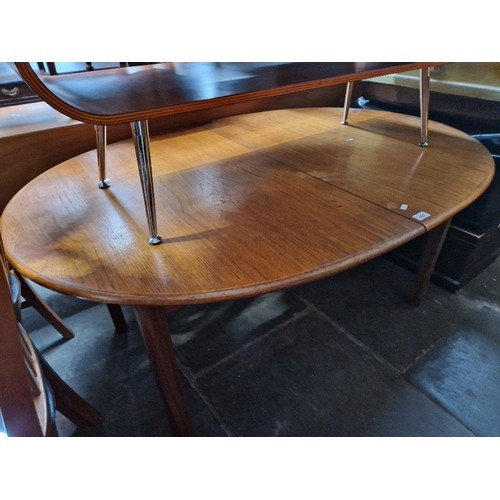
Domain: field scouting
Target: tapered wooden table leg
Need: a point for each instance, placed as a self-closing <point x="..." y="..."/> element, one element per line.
<point x="118" y="318"/>
<point x="434" y="242"/>
<point x="154" y="330"/>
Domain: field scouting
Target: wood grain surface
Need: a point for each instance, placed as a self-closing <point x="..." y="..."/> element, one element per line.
<point x="246" y="205"/>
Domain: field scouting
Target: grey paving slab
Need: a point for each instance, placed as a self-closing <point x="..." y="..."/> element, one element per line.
<point x="463" y="375"/>
<point x="322" y="359"/>
<point x="369" y="302"/>
<point x="306" y="379"/>
<point x="204" y="335"/>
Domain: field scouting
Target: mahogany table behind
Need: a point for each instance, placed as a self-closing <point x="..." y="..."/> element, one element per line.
<point x="249" y="205"/>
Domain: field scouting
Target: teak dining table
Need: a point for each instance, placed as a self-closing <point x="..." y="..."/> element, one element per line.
<point x="248" y="204"/>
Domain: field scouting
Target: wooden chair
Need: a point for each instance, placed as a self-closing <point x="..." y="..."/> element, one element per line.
<point x="30" y="298"/>
<point x="30" y="390"/>
<point x="12" y="180"/>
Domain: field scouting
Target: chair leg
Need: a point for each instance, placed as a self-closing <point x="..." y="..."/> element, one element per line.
<point x="68" y="402"/>
<point x="33" y="299"/>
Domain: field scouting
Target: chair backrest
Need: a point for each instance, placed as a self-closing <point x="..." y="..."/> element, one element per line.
<point x="24" y="404"/>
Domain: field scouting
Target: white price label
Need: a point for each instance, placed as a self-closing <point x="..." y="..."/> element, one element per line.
<point x="421" y="215"/>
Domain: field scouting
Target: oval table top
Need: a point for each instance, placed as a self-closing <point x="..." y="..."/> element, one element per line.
<point x="245" y="205"/>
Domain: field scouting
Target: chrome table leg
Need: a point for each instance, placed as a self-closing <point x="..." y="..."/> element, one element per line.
<point x="140" y="131"/>
<point x="347" y="103"/>
<point x="425" y="74"/>
<point x="100" y="132"/>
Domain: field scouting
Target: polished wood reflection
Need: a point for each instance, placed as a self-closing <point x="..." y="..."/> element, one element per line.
<point x="123" y="95"/>
<point x="246" y="205"/>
